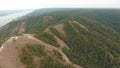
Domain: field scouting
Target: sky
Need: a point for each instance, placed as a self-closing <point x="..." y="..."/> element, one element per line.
<point x="36" y="4"/>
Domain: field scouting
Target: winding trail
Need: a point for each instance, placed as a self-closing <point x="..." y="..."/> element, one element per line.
<point x="11" y="49"/>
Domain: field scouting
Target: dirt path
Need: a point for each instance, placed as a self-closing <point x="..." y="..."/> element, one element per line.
<point x="75" y="22"/>
<point x="60" y="28"/>
<point x="50" y="47"/>
<point x="59" y="41"/>
<point x="10" y="51"/>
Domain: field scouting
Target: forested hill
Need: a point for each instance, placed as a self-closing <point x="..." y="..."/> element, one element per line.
<point x="89" y="38"/>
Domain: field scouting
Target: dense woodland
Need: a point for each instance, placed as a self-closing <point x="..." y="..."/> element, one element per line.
<point x="97" y="48"/>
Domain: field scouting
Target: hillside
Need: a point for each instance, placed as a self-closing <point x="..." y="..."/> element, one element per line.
<point x="62" y="38"/>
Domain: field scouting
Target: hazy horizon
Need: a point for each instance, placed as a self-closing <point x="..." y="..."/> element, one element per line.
<point x="37" y="4"/>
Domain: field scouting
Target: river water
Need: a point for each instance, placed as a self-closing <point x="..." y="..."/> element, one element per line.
<point x="7" y="18"/>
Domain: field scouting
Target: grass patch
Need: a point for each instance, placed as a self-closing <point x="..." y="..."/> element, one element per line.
<point x="48" y="62"/>
<point x="46" y="37"/>
<point x="36" y="50"/>
<point x="26" y="58"/>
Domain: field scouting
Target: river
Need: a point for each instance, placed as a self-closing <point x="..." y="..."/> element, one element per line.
<point x="8" y="18"/>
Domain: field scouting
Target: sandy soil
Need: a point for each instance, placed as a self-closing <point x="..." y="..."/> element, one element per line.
<point x="82" y="26"/>
<point x="59" y="28"/>
<point x="11" y="49"/>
